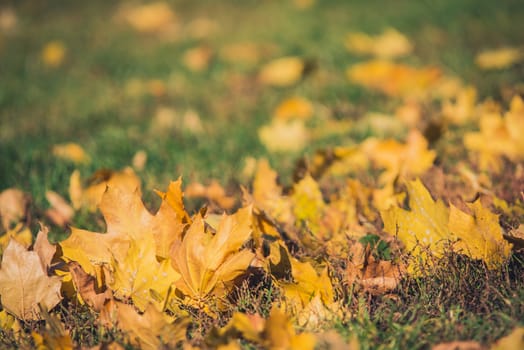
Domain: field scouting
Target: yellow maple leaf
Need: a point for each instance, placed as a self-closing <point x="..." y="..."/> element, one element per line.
<point x="25" y="285"/>
<point x="430" y="226"/>
<point x="128" y="223"/>
<point x="480" y="234"/>
<point x="424" y="226"/>
<point x="208" y="263"/>
<point x="267" y="194"/>
<point x="400" y="160"/>
<point x="308" y="203"/>
<point x="140" y="276"/>
<point x="275" y="332"/>
<point x="389" y="44"/>
<point x="148" y="330"/>
<point x="499" y="136"/>
<point x="394" y="79"/>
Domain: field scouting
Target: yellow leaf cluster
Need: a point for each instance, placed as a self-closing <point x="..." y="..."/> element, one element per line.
<point x="499" y="136"/>
<point x="389" y="44"/>
<point x="430" y="228"/>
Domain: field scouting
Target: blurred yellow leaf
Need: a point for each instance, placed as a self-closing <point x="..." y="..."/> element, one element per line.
<point x="400" y="160"/>
<point x="53" y="336"/>
<point x="283" y="71"/>
<point x="430" y="225"/>
<point x="197" y="59"/>
<point x="150" y="18"/>
<point x="394" y="79"/>
<point x="72" y="152"/>
<point x="462" y="109"/>
<point x="499" y="59"/>
<point x="60" y="212"/>
<point x="53" y="53"/>
<point x="13" y="206"/>
<point x="25" y="285"/>
<point x="151" y="329"/>
<point x="499" y="136"/>
<point x="91" y="196"/>
<point x="294" y="107"/>
<point x="284" y="136"/>
<point x="389" y="44"/>
<point x="214" y="192"/>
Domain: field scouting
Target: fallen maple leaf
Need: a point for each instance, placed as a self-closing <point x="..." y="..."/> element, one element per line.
<point x="394" y="79"/>
<point x="214" y="192"/>
<point x="283" y="71"/>
<point x="389" y="44"/>
<point x="207" y="262"/>
<point x="480" y="234"/>
<point x="151" y="329"/>
<point x="91" y="196"/>
<point x="140" y="277"/>
<point x="275" y="332"/>
<point x="44" y="248"/>
<point x="400" y="160"/>
<point x="86" y="286"/>
<point x="430" y="226"/>
<point x="24" y="284"/>
<point x="499" y="136"/>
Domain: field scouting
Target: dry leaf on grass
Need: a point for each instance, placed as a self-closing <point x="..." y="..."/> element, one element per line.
<point x="207" y="262"/>
<point x="13" y="206"/>
<point x="24" y="284"/>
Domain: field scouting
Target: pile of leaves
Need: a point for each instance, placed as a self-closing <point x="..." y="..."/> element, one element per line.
<point x="271" y="265"/>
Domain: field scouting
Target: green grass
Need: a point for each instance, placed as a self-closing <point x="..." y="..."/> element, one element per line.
<point x="86" y="100"/>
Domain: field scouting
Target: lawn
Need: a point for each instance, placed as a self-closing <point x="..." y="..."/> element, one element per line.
<point x="368" y="157"/>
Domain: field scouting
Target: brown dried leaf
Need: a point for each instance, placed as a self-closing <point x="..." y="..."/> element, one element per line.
<point x="24" y="284"/>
